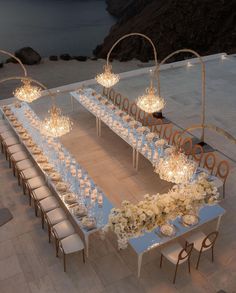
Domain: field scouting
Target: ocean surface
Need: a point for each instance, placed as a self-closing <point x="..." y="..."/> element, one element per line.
<point x="53" y="27"/>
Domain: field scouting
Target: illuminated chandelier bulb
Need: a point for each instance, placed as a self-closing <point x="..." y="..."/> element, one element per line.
<point x="27" y="92"/>
<point x="107" y="78"/>
<point x="175" y="167"/>
<point x="56" y="124"/>
<point x="150" y="102"/>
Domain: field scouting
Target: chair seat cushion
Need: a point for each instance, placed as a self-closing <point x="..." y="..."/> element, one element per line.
<point x="29" y="173"/>
<point x="15" y="148"/>
<point x="63" y="229"/>
<point x="56" y="216"/>
<point x="72" y="244"/>
<point x="4" y="135"/>
<point x="171" y="252"/>
<point x="35" y="182"/>
<point x="4" y="128"/>
<point x="22" y="165"/>
<point x="41" y="193"/>
<point x="19" y="156"/>
<point x="49" y="203"/>
<point x="197" y="238"/>
<point x="10" y="141"/>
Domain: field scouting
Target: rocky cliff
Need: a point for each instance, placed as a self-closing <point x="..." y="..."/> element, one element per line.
<point x="207" y="26"/>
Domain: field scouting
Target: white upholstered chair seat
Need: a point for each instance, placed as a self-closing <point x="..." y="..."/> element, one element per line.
<point x="197" y="239"/>
<point x="55" y="216"/>
<point x="63" y="229"/>
<point x="4" y="128"/>
<point x="10" y="141"/>
<point x="4" y="135"/>
<point x="48" y="204"/>
<point x="29" y="173"/>
<point x="171" y="252"/>
<point x="19" y="156"/>
<point x="71" y="244"/>
<point x="15" y="148"/>
<point x="41" y="193"/>
<point x="35" y="182"/>
<point x="25" y="164"/>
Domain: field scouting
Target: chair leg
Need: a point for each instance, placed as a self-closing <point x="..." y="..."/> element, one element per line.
<point x="83" y="256"/>
<point x="49" y="233"/>
<point x="199" y="256"/>
<point x="161" y="260"/>
<point x="42" y="219"/>
<point x="57" y="246"/>
<point x="212" y="254"/>
<point x="35" y="208"/>
<point x="176" y="269"/>
<point x="189" y="270"/>
<point x="29" y="193"/>
<point x="64" y="260"/>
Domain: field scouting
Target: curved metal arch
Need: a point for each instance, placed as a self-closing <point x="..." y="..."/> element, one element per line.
<point x="17" y="59"/>
<point x="203" y="75"/>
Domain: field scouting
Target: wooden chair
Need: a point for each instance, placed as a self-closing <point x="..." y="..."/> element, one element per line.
<point x="222" y="172"/>
<point x="118" y="100"/>
<point x="52" y="218"/>
<point x="111" y="95"/>
<point x="202" y="242"/>
<point x="141" y="116"/>
<point x="17" y="157"/>
<point x="125" y="105"/>
<point x="175" y="138"/>
<point x="71" y="244"/>
<point x="133" y="110"/>
<point x="158" y="127"/>
<point x="150" y="121"/>
<point x="39" y="194"/>
<point x="187" y="146"/>
<point x="197" y="153"/>
<point x="167" y="133"/>
<point x="176" y="254"/>
<point x="105" y="91"/>
<point x="209" y="162"/>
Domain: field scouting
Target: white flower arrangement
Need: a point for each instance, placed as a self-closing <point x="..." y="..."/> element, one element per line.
<point x="133" y="220"/>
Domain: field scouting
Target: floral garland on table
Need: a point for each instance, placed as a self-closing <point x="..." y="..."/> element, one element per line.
<point x="133" y="220"/>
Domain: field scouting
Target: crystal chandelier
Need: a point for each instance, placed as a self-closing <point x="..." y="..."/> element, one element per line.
<point x="107" y="78"/>
<point x="57" y="124"/>
<point x="175" y="167"/>
<point x="149" y="102"/>
<point x="27" y="92"/>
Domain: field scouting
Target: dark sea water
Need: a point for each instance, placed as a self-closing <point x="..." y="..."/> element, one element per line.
<point x="54" y="26"/>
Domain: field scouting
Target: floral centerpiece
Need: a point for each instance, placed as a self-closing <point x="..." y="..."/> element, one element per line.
<point x="132" y="220"/>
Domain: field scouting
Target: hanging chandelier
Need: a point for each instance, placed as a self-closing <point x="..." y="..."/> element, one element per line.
<point x="56" y="124"/>
<point x="107" y="78"/>
<point x="150" y="102"/>
<point x="27" y="92"/>
<point x="175" y="167"/>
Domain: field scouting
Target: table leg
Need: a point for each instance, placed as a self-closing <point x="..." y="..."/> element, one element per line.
<point x="97" y="126"/>
<point x="134" y="157"/>
<point x="87" y="244"/>
<point x="140" y="257"/>
<point x="137" y="160"/>
<point x="72" y="102"/>
<point x="218" y="223"/>
<point x="100" y="126"/>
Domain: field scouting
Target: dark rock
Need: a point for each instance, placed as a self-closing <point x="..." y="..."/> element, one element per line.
<point x="53" y="58"/>
<point x="1" y="65"/>
<point x="65" y="57"/>
<point x="28" y="56"/>
<point x="207" y="27"/>
<point x="81" y="58"/>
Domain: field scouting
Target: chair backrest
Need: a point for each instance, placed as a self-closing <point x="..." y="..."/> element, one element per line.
<point x="209" y="162"/>
<point x="150" y="120"/>
<point x="187" y="146"/>
<point x="209" y="240"/>
<point x="197" y="153"/>
<point x="141" y="116"/>
<point x="175" y="138"/>
<point x="185" y="253"/>
<point x="158" y="127"/>
<point x="112" y="95"/>
<point x="118" y="100"/>
<point x="167" y="133"/>
<point x="223" y="170"/>
<point x="105" y="91"/>
<point x="133" y="110"/>
<point x="125" y="105"/>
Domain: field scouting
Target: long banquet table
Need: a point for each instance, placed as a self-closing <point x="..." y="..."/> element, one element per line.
<point x="101" y="212"/>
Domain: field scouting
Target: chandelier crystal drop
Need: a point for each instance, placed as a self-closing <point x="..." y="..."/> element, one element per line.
<point x="150" y="102"/>
<point x="107" y="78"/>
<point x="175" y="167"/>
<point x="27" y="92"/>
<point x="56" y="124"/>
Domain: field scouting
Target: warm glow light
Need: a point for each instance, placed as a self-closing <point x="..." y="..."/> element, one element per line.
<point x="57" y="124"/>
<point x="27" y="92"/>
<point x="107" y="78"/>
<point x="149" y="102"/>
<point x="175" y="167"/>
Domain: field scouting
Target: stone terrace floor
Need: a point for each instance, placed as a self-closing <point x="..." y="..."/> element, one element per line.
<point x="27" y="260"/>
